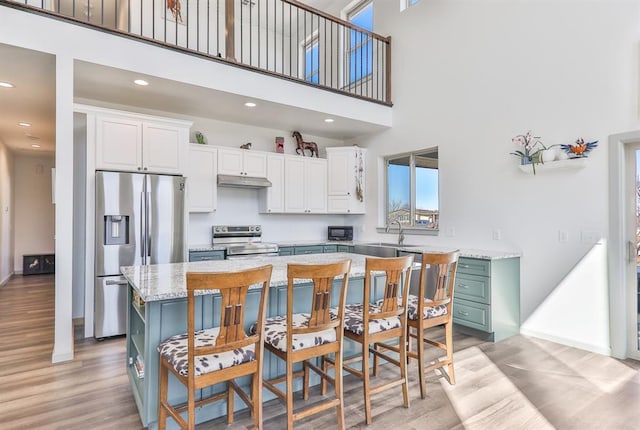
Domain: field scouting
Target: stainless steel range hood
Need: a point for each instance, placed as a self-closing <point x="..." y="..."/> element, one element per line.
<point x="243" y="181"/>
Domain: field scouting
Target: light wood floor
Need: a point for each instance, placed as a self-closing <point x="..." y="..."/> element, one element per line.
<point x="519" y="383"/>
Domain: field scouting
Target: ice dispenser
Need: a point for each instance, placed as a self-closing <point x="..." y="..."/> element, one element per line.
<point x="116" y="229"/>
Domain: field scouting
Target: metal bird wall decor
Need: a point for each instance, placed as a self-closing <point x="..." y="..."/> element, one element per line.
<point x="579" y="149"/>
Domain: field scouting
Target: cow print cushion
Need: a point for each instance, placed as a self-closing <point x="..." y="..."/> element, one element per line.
<point x="275" y="333"/>
<point x="353" y="319"/>
<point x="429" y="311"/>
<point x="175" y="351"/>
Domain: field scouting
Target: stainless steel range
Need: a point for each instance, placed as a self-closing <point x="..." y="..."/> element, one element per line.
<point x="243" y="241"/>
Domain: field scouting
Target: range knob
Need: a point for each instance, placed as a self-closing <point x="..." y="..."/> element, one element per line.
<point x="251" y="228"/>
<point x="257" y="228"/>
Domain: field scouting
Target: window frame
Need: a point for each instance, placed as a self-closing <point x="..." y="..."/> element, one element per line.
<point x="412" y="228"/>
<point x="348" y="15"/>
<point x="308" y="43"/>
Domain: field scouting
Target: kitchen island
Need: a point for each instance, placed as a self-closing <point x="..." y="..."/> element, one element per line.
<point x="158" y="309"/>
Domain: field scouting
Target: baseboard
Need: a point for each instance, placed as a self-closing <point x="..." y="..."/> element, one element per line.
<point x="5" y="280"/>
<point x="568" y="342"/>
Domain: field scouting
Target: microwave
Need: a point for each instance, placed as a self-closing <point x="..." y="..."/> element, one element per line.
<point x="344" y="232"/>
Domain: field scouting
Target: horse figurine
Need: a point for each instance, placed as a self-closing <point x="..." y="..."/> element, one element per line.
<point x="302" y="145"/>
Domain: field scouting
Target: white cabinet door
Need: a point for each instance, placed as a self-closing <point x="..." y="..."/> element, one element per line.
<point x="162" y="148"/>
<point x="118" y="143"/>
<point x="346" y="175"/>
<point x="255" y="163"/>
<point x="294" y="191"/>
<point x="340" y="172"/>
<point x="315" y="185"/>
<point x="201" y="178"/>
<point x="272" y="198"/>
<point x="230" y="161"/>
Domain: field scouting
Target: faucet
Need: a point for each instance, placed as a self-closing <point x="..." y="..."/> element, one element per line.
<point x="400" y="232"/>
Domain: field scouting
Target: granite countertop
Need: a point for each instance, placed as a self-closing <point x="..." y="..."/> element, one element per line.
<point x="483" y="254"/>
<point x="168" y="281"/>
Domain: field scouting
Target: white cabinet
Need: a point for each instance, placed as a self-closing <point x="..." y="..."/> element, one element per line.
<point x="272" y="198"/>
<point x="305" y="185"/>
<point x="346" y="180"/>
<point x="201" y="173"/>
<point x="242" y="162"/>
<point x="132" y="143"/>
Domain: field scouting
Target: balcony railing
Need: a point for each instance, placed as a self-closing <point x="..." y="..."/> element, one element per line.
<point x="284" y="38"/>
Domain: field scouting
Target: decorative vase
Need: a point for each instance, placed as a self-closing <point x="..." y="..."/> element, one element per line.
<point x="525" y="160"/>
<point x="548" y="155"/>
<point x="561" y="154"/>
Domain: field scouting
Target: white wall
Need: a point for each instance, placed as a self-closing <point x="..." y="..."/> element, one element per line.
<point x="34" y="210"/>
<point x="6" y="213"/>
<point x="470" y="75"/>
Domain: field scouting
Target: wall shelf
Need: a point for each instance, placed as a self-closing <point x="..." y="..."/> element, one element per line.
<point x="571" y="163"/>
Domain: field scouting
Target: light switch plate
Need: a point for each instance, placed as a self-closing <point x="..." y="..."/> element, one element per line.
<point x="497" y="234"/>
<point x="563" y="236"/>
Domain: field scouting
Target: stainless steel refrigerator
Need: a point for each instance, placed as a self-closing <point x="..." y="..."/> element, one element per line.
<point x="140" y="220"/>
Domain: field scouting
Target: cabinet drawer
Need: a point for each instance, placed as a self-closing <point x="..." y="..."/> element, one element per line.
<point x="470" y="314"/>
<point x="301" y="250"/>
<point x="474" y="288"/>
<point x="345" y="248"/>
<point x="473" y="266"/>
<point x="330" y="248"/>
<point x="285" y="251"/>
<point x="206" y="255"/>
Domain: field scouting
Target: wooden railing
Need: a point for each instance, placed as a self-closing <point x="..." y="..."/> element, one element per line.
<point x="284" y="38"/>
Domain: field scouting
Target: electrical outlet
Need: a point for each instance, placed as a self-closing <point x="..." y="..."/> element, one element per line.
<point x="563" y="236"/>
<point x="450" y="232"/>
<point x="497" y="234"/>
<point x="589" y="236"/>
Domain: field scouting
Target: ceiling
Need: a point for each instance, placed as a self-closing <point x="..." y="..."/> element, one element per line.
<point x="32" y="100"/>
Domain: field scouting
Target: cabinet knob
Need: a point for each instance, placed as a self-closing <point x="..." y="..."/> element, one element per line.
<point x="269" y="210"/>
<point x="145" y="168"/>
<point x="348" y="194"/>
<point x="348" y="210"/>
<point x="139" y="168"/>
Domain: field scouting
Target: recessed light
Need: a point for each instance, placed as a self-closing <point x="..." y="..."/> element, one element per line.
<point x="250" y="104"/>
<point x="24" y="124"/>
<point x="35" y="146"/>
<point x="141" y="82"/>
<point x="328" y="120"/>
<point x="6" y="84"/>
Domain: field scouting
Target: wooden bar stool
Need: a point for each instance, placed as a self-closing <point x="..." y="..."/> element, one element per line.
<point x="432" y="307"/>
<point x="299" y="337"/>
<point x="371" y="324"/>
<point x="209" y="356"/>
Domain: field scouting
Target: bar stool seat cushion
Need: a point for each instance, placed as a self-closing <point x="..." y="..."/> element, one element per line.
<point x="353" y="319"/>
<point x="429" y="311"/>
<point x="275" y="332"/>
<point x="175" y="351"/>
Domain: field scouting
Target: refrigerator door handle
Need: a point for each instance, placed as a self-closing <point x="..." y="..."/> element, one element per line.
<point x="142" y="227"/>
<point x="117" y="283"/>
<point x="149" y="220"/>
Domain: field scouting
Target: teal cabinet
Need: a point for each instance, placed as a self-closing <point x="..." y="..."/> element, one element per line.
<point x="206" y="255"/>
<point x="487" y="297"/>
<point x="288" y="250"/>
<point x="304" y="250"/>
<point x="330" y="248"/>
<point x="344" y="248"/>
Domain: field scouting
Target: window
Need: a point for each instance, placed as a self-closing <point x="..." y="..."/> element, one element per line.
<point x="407" y="3"/>
<point x="312" y="60"/>
<point x="360" y="44"/>
<point x="412" y="189"/>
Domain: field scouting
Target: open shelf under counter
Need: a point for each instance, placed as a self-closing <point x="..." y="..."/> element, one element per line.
<point x="571" y="163"/>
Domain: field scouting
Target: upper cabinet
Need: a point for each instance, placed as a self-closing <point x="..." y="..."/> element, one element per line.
<point x="272" y="198"/>
<point x="306" y="185"/>
<point x="201" y="175"/>
<point x="242" y="162"/>
<point x="346" y="180"/>
<point x="140" y="143"/>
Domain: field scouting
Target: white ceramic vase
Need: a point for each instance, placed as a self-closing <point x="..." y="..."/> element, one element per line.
<point x="561" y="154"/>
<point x="548" y="155"/>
